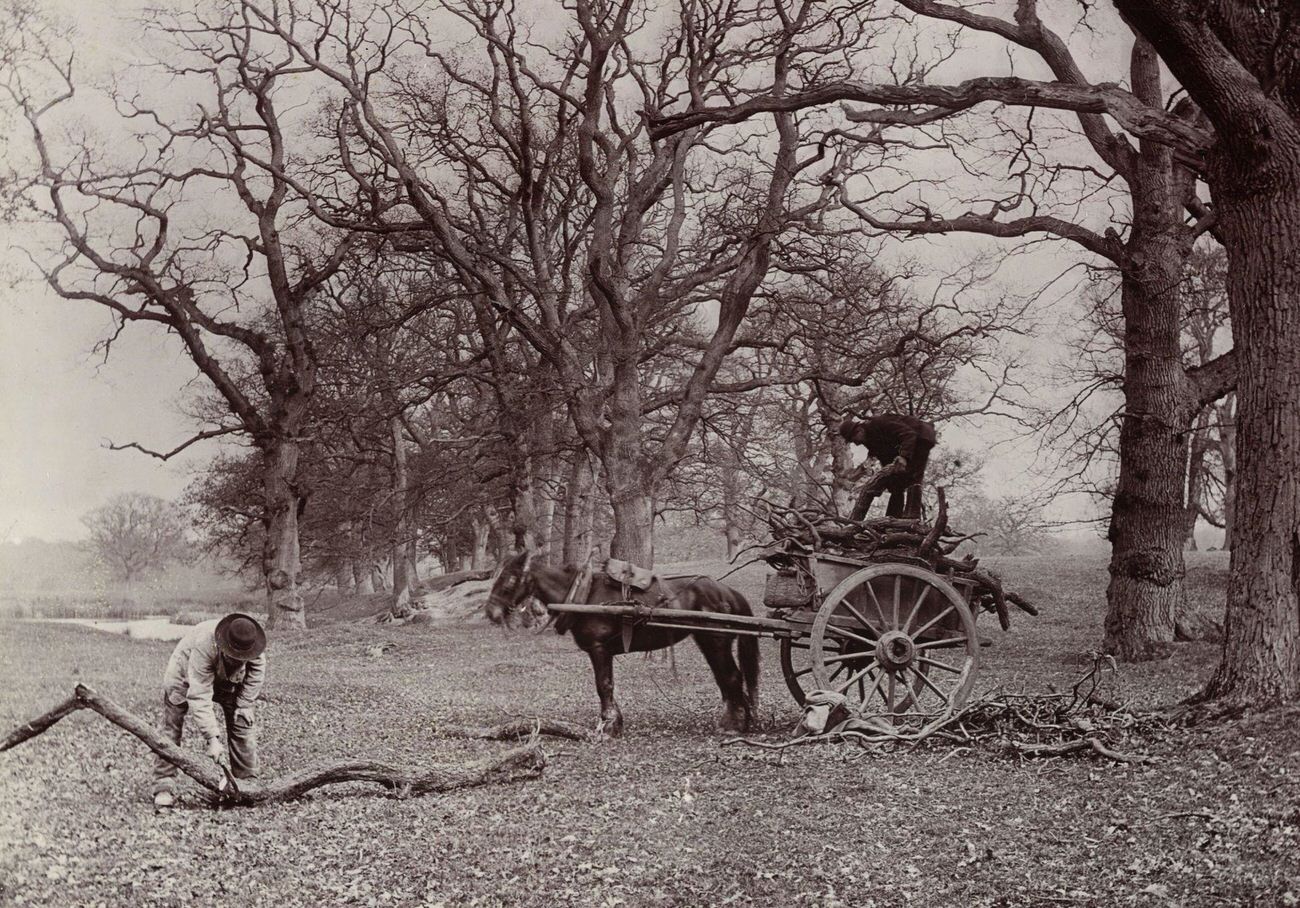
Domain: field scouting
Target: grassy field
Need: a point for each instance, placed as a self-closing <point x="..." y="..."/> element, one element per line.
<point x="664" y="816"/>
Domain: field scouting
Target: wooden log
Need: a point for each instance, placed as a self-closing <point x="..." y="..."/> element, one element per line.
<point x="991" y="583"/>
<point x="1022" y="603"/>
<point x="40" y="723"/>
<point x="524" y="728"/>
<point x="931" y="541"/>
<point x="520" y="763"/>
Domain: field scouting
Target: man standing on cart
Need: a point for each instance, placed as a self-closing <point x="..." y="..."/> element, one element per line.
<point x="902" y="445"/>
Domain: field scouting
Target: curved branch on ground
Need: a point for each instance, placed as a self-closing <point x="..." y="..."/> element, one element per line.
<point x="514" y="765"/>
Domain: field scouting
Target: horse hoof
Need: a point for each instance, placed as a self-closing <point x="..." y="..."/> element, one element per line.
<point x="610" y="728"/>
<point x="733" y="725"/>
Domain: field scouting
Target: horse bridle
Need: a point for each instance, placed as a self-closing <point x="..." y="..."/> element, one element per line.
<point x="520" y="591"/>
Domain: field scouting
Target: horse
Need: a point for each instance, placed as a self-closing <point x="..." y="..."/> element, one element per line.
<point x="603" y="637"/>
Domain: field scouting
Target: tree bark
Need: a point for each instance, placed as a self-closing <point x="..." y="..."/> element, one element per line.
<point x="362" y="582"/>
<point x="626" y="475"/>
<point x="632" y="505"/>
<point x="1257" y="199"/>
<point x="579" y="510"/>
<point x="402" y="579"/>
<point x="482" y="533"/>
<point x="633" y="538"/>
<point x="1149" y="514"/>
<point x="281" y="557"/>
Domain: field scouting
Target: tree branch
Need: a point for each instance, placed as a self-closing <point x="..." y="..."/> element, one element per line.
<point x="1139" y="119"/>
<point x="210" y="433"/>
<point x="514" y="765"/>
<point x="1214" y="379"/>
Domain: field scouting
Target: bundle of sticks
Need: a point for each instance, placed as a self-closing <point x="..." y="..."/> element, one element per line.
<point x="802" y="531"/>
<point x="1054" y="724"/>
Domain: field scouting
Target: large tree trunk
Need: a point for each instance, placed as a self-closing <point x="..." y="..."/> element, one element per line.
<point x="482" y="533"/>
<point x="633" y="507"/>
<point x="281" y="560"/>
<point x="633" y="538"/>
<point x="579" y="510"/>
<point x="402" y="574"/>
<point x="626" y="476"/>
<point x="1149" y="514"/>
<point x="1257" y="198"/>
<point x="841" y="460"/>
<point x="362" y="581"/>
<point x="1149" y="518"/>
<point x="730" y="481"/>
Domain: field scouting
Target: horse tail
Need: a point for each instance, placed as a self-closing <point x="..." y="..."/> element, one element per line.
<point x="747" y="655"/>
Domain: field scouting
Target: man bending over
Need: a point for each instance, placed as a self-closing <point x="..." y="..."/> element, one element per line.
<point x="218" y="664"/>
<point x="902" y="445"/>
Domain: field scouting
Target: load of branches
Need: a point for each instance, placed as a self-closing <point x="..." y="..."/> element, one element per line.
<point x="1079" y="721"/>
<point x="799" y="532"/>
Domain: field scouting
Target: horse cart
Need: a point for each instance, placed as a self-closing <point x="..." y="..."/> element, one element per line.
<point x="878" y="612"/>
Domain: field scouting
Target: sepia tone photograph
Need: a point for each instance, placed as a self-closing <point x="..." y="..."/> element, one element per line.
<point x="634" y="453"/>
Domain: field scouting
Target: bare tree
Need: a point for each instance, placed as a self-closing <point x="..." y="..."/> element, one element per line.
<point x="1228" y="56"/>
<point x="1007" y="524"/>
<point x="1044" y="195"/>
<point x="186" y="236"/>
<point x="1240" y="132"/>
<point x="135" y="534"/>
<point x="529" y="170"/>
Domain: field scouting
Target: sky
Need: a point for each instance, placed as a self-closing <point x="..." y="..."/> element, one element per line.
<point x="61" y="403"/>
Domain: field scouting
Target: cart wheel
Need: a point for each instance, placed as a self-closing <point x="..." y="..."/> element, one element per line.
<point x="796" y="666"/>
<point x="898" y="641"/>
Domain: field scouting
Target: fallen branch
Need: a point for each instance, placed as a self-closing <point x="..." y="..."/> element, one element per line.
<point x="1069" y="747"/>
<point x="524" y="762"/>
<point x="524" y="728"/>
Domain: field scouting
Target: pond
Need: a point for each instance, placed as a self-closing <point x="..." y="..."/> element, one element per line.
<point x="157" y="627"/>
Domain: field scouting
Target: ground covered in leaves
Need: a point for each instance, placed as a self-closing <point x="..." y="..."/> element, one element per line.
<point x="662" y="817"/>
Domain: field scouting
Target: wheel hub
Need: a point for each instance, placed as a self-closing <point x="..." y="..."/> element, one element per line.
<point x="895" y="650"/>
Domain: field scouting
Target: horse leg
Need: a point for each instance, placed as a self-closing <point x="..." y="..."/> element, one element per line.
<point x="717" y="652"/>
<point x="611" y="718"/>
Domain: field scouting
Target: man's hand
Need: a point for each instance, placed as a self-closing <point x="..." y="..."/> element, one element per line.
<point x="244" y="717"/>
<point x="217" y="751"/>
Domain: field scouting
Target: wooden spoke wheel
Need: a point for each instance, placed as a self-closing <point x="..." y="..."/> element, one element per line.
<point x="898" y="641"/>
<point x="796" y="666"/>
